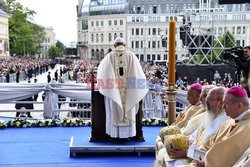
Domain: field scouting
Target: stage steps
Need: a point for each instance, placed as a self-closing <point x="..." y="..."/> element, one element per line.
<point x="107" y="148"/>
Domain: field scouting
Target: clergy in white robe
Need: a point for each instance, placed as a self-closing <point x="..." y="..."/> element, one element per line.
<point x="158" y="113"/>
<point x="121" y="80"/>
<point x="195" y="122"/>
<point x="148" y="103"/>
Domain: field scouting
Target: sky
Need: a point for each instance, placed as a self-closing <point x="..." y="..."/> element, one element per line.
<point x="60" y="14"/>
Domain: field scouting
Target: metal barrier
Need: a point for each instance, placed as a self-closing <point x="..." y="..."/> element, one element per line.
<point x="75" y="111"/>
<point x="2" y="79"/>
<point x="13" y="77"/>
<point x="83" y="108"/>
<point x="65" y="76"/>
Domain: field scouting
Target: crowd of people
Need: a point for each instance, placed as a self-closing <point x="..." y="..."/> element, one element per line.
<point x="81" y="70"/>
<point x="25" y="67"/>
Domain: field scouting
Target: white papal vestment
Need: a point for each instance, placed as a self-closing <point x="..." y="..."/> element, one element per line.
<point x="125" y="99"/>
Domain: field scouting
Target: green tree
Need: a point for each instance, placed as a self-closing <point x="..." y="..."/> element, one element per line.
<point x="60" y="47"/>
<point x="227" y="40"/>
<point x="53" y="52"/>
<point x="25" y="37"/>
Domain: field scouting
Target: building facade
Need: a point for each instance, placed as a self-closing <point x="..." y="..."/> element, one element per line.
<point x="50" y="39"/>
<point x="144" y="26"/>
<point x="4" y="34"/>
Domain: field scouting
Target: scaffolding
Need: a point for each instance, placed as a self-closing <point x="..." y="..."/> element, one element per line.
<point x="204" y="37"/>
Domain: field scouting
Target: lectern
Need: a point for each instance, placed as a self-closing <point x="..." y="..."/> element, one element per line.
<point x="98" y="120"/>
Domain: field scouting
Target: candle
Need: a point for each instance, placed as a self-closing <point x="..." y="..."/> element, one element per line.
<point x="171" y="53"/>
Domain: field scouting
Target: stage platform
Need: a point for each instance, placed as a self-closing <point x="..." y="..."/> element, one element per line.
<point x="80" y="145"/>
<point x="106" y="147"/>
<point x="40" y="147"/>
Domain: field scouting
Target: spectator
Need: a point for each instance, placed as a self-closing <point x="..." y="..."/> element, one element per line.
<point x="56" y="75"/>
<point x="217" y="77"/>
<point x="48" y="77"/>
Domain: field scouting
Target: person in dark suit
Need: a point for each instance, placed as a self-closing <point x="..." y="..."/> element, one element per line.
<point x="35" y="96"/>
<point x="243" y="66"/>
<point x="56" y="75"/>
<point x="48" y="77"/>
<point x="61" y="71"/>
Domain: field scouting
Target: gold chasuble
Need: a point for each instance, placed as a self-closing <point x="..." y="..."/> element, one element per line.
<point x="184" y="117"/>
<point x="229" y="143"/>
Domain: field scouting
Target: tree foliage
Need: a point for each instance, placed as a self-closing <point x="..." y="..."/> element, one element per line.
<point x="26" y="38"/>
<point x="227" y="40"/>
<point x="53" y="52"/>
<point x="224" y="41"/>
<point x="60" y="47"/>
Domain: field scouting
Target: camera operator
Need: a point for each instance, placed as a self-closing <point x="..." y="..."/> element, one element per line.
<point x="244" y="65"/>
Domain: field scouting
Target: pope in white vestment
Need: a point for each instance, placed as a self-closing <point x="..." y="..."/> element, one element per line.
<point x="121" y="80"/>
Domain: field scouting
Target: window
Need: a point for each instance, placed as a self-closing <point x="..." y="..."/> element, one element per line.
<point x="115" y="36"/>
<point x="141" y="19"/>
<point x="110" y="37"/>
<point x="167" y="8"/>
<point x="97" y="23"/>
<point x="149" y="31"/>
<point x="141" y="31"/>
<point x="153" y="57"/>
<point x="158" y="44"/>
<point x="238" y="42"/>
<point x="110" y="22"/>
<point x="136" y="44"/>
<point x="97" y="38"/>
<point x="133" y="19"/>
<point x="141" y="44"/>
<point x="132" y="44"/>
<point x="92" y="37"/>
<point x="159" y="9"/>
<point x="137" y="19"/>
<point x="121" y="35"/>
<point x="101" y="23"/>
<point x="92" y="23"/>
<point x="155" y="9"/>
<point x="137" y="31"/>
<point x="115" y="22"/>
<point x="133" y="31"/>
<point x="158" y="57"/>
<point x="150" y="9"/>
<point x="148" y="57"/>
<point x="102" y="38"/>
<point x="121" y="22"/>
<point x="149" y="44"/>
<point x="153" y="44"/>
<point x="238" y="29"/>
<point x="154" y="31"/>
<point x="243" y="30"/>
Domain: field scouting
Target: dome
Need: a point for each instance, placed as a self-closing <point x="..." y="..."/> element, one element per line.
<point x="104" y="7"/>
